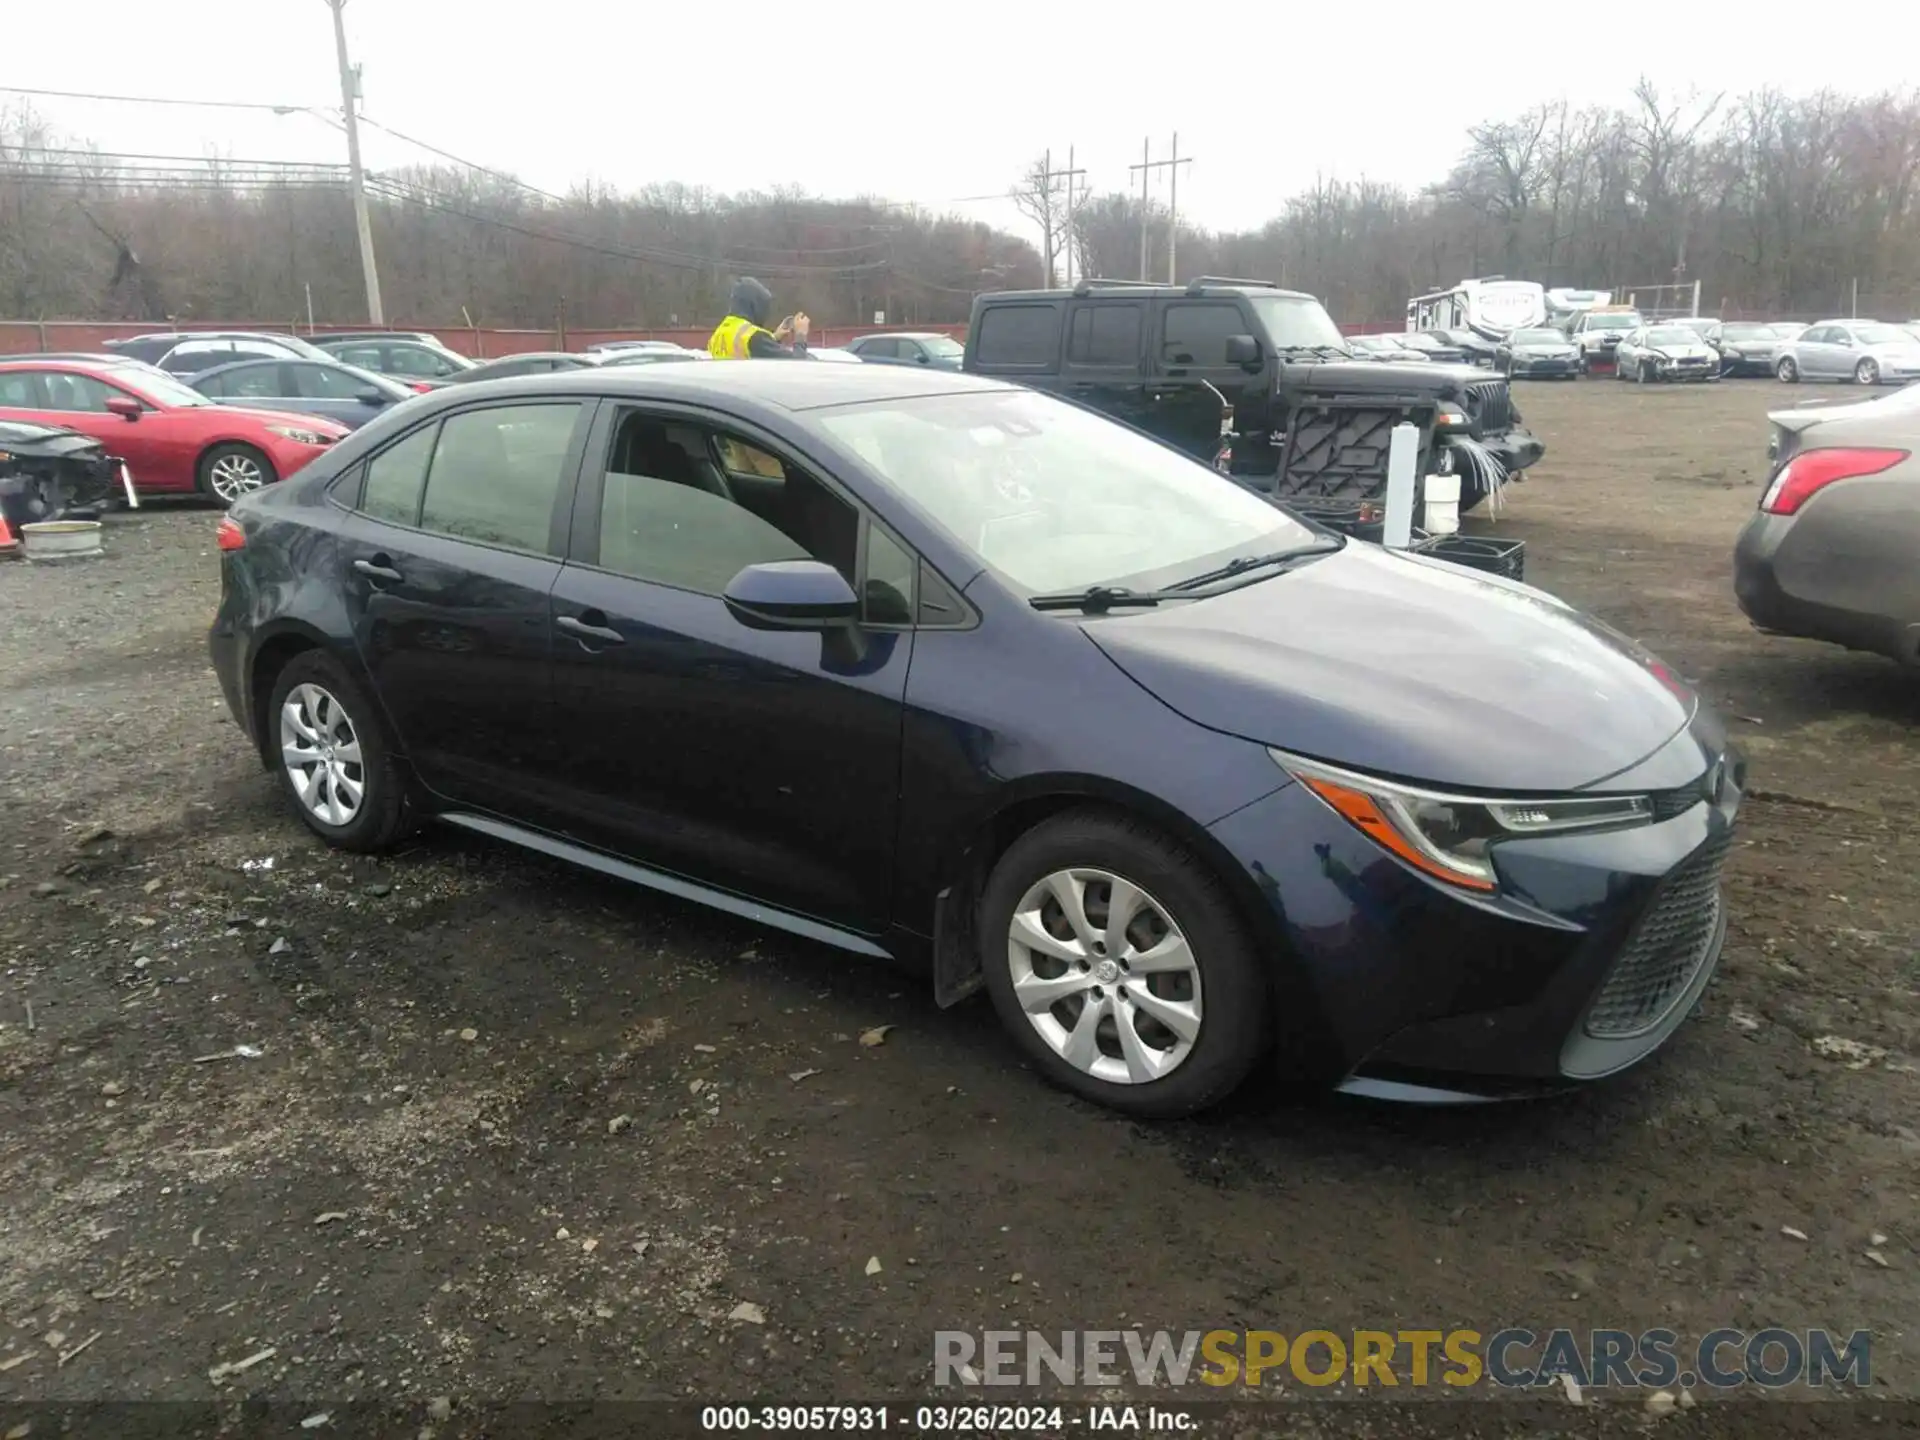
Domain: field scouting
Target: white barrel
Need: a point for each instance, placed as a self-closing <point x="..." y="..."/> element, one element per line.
<point x="1443" y="505"/>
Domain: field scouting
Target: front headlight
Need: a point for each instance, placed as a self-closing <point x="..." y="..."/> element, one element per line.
<point x="1450" y="836"/>
<point x="301" y="437"/>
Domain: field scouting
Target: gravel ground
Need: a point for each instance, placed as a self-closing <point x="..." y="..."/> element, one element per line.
<point x="517" y="1132"/>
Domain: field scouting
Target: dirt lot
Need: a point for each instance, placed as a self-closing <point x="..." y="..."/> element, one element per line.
<point x="519" y="1132"/>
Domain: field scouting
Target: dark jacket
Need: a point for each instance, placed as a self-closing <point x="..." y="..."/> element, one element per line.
<point x="751" y="300"/>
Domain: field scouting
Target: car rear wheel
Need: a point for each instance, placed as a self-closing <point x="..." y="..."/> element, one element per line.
<point x="229" y="471"/>
<point x="1787" y="372"/>
<point x="1115" y="961"/>
<point x="1867" y="372"/>
<point x="332" y="756"/>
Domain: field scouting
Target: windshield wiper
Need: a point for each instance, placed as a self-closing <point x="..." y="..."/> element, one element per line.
<point x="1254" y="562"/>
<point x="1313" y="350"/>
<point x="1098" y="599"/>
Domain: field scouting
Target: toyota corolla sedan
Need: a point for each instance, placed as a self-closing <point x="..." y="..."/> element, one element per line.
<point x="927" y="667"/>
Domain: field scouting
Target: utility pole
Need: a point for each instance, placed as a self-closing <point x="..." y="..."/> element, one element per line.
<point x="1044" y="201"/>
<point x="362" y="222"/>
<point x="1146" y="166"/>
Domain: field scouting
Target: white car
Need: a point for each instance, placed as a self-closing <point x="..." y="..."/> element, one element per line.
<point x="1665" y="352"/>
<point x="1866" y="352"/>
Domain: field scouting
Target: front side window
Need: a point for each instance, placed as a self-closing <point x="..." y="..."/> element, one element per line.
<point x="496" y="475"/>
<point x="367" y="357"/>
<point x="1195" y="332"/>
<point x="672" y="515"/>
<point x="79" y="393"/>
<point x="1053" y="497"/>
<point x="885" y="348"/>
<point x="415" y="360"/>
<point x="323" y="382"/>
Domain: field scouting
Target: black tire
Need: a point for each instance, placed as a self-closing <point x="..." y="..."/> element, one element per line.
<point x="1236" y="1009"/>
<point x="385" y="813"/>
<point x="1786" y="372"/>
<point x="1867" y="372"/>
<point x="232" y="459"/>
<point x="1643" y="373"/>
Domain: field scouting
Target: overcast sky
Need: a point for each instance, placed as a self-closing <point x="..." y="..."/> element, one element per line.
<point x="929" y="103"/>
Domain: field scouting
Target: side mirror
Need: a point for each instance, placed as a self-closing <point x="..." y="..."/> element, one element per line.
<point x="920" y="358"/>
<point x="370" y="396"/>
<point x="1243" y="350"/>
<point x="124" y="407"/>
<point x="791" y="595"/>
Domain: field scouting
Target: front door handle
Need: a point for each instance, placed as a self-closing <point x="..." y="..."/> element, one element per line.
<point x="379" y="568"/>
<point x="591" y="625"/>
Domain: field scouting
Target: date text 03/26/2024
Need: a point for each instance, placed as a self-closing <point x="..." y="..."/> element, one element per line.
<point x="946" y="1419"/>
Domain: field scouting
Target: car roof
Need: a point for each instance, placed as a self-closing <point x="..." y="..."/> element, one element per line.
<point x="257" y="361"/>
<point x="904" y="335"/>
<point x="788" y="384"/>
<point x="1096" y="289"/>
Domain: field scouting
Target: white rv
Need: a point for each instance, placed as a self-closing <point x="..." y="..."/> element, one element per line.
<point x="1564" y="304"/>
<point x="1494" y="307"/>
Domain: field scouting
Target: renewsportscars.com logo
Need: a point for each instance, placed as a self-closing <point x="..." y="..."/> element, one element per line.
<point x="1513" y="1358"/>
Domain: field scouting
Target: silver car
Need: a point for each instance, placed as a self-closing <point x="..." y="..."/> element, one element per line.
<point x="1829" y="554"/>
<point x="1665" y="352"/>
<point x="1866" y="352"/>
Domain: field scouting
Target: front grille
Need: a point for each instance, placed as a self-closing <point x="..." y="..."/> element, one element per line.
<point x="1490" y="406"/>
<point x="1667" y="950"/>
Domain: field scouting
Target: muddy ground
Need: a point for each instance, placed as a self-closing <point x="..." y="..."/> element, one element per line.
<point x="519" y="1132"/>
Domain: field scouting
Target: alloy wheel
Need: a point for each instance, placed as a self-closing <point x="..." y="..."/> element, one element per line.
<point x="320" y="750"/>
<point x="1867" y="373"/>
<point x="1105" y="975"/>
<point x="232" y="476"/>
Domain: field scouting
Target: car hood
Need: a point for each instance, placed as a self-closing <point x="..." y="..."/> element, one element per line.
<point x="1368" y="376"/>
<point x="1407" y="667"/>
<point x="1699" y="350"/>
<point x="23" y="437"/>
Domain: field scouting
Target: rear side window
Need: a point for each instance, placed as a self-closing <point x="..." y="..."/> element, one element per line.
<point x="1196" y="332"/>
<point x="261" y="380"/>
<point x="496" y="475"/>
<point x="367" y="357"/>
<point x="1018" y="335"/>
<point x="1105" y="335"/>
<point x="395" y="478"/>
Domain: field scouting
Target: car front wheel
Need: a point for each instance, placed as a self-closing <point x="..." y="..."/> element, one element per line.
<point x="1867" y="372"/>
<point x="331" y="753"/>
<point x="1786" y="371"/>
<point x="229" y="471"/>
<point x="1115" y="960"/>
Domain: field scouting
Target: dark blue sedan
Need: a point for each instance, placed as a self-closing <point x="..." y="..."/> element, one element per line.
<point x="929" y="667"/>
<point x="345" y="393"/>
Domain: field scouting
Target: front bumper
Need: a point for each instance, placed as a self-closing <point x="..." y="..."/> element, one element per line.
<point x="1591" y="956"/>
<point x="1559" y="365"/>
<point x="1697" y="372"/>
<point x="1750" y="364"/>
<point x="1516" y="448"/>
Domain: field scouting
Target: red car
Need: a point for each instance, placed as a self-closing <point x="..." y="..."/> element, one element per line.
<point x="172" y="438"/>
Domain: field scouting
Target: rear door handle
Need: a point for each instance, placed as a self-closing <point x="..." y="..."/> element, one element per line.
<point x="378" y="569"/>
<point x="591" y="625"/>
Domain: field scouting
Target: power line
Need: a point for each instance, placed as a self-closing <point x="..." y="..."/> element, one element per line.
<point x="153" y="100"/>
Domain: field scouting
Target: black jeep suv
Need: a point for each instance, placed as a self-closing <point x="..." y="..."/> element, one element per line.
<point x="1264" y="367"/>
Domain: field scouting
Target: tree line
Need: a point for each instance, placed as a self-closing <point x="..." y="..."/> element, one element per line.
<point x="1776" y="204"/>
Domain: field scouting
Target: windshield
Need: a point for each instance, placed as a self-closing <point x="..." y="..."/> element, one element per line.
<point x="1538" y="337"/>
<point x="1749" y="332"/>
<point x="1297" y="322"/>
<point x="1881" y="335"/>
<point x="1616" y="320"/>
<point x="1672" y="335"/>
<point x="1053" y="497"/>
<point x="941" y="346"/>
<point x="161" y="386"/>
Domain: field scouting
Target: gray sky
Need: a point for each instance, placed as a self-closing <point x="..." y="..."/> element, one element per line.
<point x="928" y="103"/>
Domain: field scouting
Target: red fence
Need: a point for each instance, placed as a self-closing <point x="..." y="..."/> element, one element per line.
<point x="20" y="337"/>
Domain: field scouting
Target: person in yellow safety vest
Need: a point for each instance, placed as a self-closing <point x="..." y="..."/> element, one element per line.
<point x="743" y="334"/>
